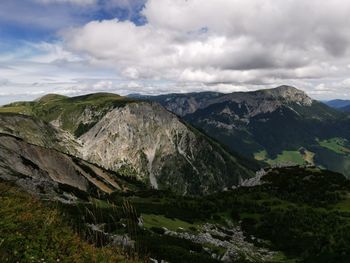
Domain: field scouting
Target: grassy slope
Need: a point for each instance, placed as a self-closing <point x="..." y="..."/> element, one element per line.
<point x="33" y="232"/>
<point x="287" y="157"/>
<point x="337" y="145"/>
<point x="332" y="153"/>
<point x="160" y="220"/>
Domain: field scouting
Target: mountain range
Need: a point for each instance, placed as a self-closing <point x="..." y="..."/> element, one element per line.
<point x="199" y="177"/>
<point x="140" y="140"/>
<point x="280" y="126"/>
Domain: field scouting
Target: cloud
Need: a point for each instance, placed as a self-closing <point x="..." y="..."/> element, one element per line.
<point x="160" y="46"/>
<point x="234" y="41"/>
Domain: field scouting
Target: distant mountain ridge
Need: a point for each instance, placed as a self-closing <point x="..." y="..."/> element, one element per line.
<point x="181" y="103"/>
<point x="187" y="103"/>
<point x="280" y="126"/>
<point x="338" y="103"/>
<point x="342" y="105"/>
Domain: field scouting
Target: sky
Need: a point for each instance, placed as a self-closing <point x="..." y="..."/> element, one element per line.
<point x="74" y="47"/>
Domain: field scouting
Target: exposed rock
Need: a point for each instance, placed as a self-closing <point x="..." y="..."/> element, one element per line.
<point x="254" y="181"/>
<point x="232" y="239"/>
<point x="46" y="171"/>
<point x="136" y="139"/>
<point x="160" y="149"/>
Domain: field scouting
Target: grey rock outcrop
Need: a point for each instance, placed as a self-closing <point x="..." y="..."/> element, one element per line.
<point x="146" y="140"/>
<point x="46" y="171"/>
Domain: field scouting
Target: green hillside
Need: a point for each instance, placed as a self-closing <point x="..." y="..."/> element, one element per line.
<point x="69" y="109"/>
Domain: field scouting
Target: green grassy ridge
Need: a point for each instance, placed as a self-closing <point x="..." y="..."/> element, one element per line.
<point x="69" y="109"/>
<point x="51" y="97"/>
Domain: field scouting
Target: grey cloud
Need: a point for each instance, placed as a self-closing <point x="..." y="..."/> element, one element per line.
<point x="246" y="35"/>
<point x="197" y="45"/>
<point x="336" y="44"/>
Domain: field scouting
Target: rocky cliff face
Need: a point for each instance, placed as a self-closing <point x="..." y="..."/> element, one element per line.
<point x="46" y="171"/>
<point x="137" y="139"/>
<point x="146" y="140"/>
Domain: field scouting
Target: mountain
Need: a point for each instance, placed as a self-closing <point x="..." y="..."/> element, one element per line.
<point x="279" y="126"/>
<point x="338" y="104"/>
<point x="137" y="139"/>
<point x="79" y="179"/>
<point x="342" y="105"/>
<point x="257" y="101"/>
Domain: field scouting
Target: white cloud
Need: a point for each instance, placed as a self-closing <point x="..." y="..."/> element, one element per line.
<point x="220" y="41"/>
<point x="195" y="45"/>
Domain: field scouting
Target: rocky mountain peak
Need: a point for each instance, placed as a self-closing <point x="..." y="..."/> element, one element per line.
<point x="287" y="88"/>
<point x="290" y="94"/>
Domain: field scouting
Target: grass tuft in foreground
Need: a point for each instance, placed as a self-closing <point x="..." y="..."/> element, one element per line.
<point x="31" y="232"/>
